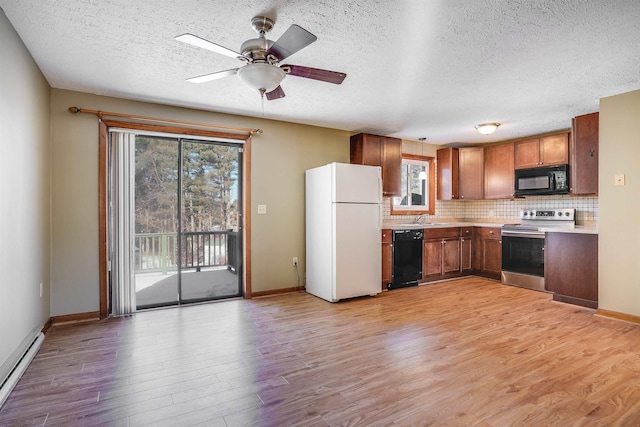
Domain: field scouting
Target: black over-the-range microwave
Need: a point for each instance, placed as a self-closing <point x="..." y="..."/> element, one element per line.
<point x="542" y="181"/>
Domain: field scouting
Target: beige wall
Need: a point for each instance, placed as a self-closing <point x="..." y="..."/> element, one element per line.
<point x="619" y="228"/>
<point x="24" y="198"/>
<point x="280" y="157"/>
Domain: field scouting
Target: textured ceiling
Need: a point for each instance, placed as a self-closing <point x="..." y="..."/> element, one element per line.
<point x="421" y="68"/>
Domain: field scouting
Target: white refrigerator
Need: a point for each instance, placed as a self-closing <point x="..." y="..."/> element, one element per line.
<point x="343" y="231"/>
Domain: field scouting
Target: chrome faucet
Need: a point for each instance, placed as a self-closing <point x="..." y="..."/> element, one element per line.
<point x="418" y="217"/>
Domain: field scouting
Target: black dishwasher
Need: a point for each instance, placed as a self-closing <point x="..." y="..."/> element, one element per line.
<point x="407" y="258"/>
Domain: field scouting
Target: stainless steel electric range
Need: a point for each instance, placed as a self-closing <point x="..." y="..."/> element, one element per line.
<point x="523" y="245"/>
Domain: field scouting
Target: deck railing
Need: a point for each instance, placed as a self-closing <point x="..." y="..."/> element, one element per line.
<point x="158" y="252"/>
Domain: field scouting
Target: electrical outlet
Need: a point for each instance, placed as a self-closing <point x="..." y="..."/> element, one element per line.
<point x="262" y="209"/>
<point x="40" y="289"/>
<point x="295" y="261"/>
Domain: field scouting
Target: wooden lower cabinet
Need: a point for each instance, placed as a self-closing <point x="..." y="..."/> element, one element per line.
<point x="466" y="248"/>
<point x="452" y="252"/>
<point x="451" y="255"/>
<point x="571" y="268"/>
<point x="487" y="251"/>
<point x="492" y="256"/>
<point x="432" y="258"/>
<point x="441" y="255"/>
<point x="387" y="257"/>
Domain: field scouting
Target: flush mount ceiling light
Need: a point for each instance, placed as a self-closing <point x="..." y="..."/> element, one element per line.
<point x="487" y="128"/>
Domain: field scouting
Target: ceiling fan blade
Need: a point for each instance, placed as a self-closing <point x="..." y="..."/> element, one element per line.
<point x="206" y="44"/>
<point x="212" y="76"/>
<point x="275" y="94"/>
<point x="294" y="39"/>
<point x="315" y="73"/>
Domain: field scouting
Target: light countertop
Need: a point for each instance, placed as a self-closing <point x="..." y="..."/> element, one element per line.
<point x="444" y="224"/>
<point x="391" y="225"/>
<point x="580" y="229"/>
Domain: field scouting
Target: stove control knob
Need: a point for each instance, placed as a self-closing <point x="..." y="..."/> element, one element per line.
<point x="567" y="214"/>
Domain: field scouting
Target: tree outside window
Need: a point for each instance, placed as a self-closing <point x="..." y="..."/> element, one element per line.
<point x="417" y="187"/>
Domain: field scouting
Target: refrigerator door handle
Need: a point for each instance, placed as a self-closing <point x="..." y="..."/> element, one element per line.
<point x="380" y="222"/>
<point x="380" y="189"/>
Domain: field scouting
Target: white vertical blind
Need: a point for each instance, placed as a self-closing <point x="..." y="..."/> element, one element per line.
<point x="123" y="222"/>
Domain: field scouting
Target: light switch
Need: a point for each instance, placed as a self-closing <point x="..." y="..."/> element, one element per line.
<point x="618" y="180"/>
<point x="262" y="209"/>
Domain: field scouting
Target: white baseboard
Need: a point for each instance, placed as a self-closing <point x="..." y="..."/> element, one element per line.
<point x="20" y="368"/>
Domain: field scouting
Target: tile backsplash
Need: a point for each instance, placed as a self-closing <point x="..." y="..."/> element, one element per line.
<point x="495" y="210"/>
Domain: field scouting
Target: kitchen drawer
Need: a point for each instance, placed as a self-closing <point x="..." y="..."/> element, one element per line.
<point x="439" y="233"/>
<point x="387" y="236"/>
<point x="466" y="231"/>
<point x="488" y="232"/>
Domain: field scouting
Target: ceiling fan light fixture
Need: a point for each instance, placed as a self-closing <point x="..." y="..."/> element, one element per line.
<point x="487" y="128"/>
<point x="261" y="77"/>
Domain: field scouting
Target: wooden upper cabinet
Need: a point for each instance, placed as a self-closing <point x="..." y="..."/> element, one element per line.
<point x="471" y="173"/>
<point x="544" y="151"/>
<point x="383" y="151"/>
<point x="391" y="165"/>
<point x="554" y="149"/>
<point x="366" y="149"/>
<point x="584" y="154"/>
<point x="498" y="171"/>
<point x="447" y="167"/>
<point x="527" y="153"/>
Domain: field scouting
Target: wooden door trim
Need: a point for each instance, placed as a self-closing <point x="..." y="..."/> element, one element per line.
<point x="103" y="160"/>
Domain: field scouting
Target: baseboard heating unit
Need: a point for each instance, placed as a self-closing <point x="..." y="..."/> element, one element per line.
<point x="14" y="376"/>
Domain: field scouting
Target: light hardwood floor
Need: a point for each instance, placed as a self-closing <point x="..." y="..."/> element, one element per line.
<point x="462" y="352"/>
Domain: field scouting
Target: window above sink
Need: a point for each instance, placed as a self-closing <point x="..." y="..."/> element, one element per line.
<point x="417" y="179"/>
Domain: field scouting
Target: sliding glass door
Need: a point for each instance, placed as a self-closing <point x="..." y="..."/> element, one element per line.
<point x="188" y="210"/>
<point x="210" y="221"/>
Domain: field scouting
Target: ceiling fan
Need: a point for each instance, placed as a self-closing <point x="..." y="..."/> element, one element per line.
<point x="262" y="71"/>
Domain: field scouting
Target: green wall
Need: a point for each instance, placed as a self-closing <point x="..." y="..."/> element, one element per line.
<point x="24" y="198"/>
<point x="280" y="155"/>
<point x="619" y="228"/>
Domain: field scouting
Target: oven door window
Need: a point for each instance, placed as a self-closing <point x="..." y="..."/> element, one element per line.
<point x="524" y="255"/>
<point x="534" y="183"/>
